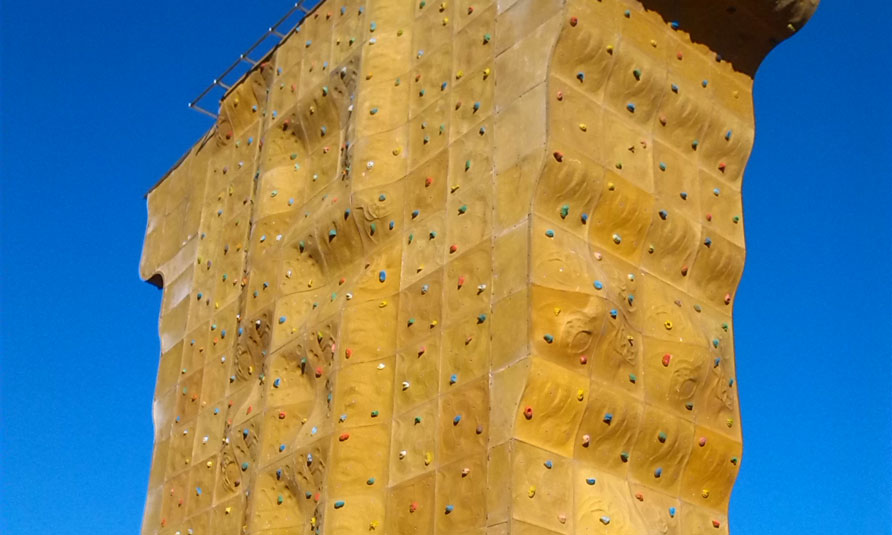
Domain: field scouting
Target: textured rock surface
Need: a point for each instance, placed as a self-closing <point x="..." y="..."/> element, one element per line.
<point x="462" y="267"/>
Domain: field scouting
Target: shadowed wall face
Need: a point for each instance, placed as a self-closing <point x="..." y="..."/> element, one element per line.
<point x="461" y="267"/>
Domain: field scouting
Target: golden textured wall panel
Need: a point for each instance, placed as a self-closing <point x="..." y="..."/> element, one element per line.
<point x="462" y="267"/>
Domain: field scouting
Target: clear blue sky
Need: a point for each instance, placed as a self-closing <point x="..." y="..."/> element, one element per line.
<point x="92" y="113"/>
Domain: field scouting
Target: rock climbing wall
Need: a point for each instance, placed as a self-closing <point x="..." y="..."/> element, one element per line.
<point x="462" y="267"/>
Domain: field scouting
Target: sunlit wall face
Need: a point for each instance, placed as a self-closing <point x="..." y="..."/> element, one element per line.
<point x="459" y="266"/>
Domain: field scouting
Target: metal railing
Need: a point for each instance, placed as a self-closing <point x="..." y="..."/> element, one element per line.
<point x="302" y="6"/>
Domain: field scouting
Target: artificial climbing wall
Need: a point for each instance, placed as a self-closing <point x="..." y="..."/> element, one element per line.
<point x="462" y="267"/>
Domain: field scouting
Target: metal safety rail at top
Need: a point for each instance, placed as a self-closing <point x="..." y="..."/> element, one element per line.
<point x="302" y="7"/>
